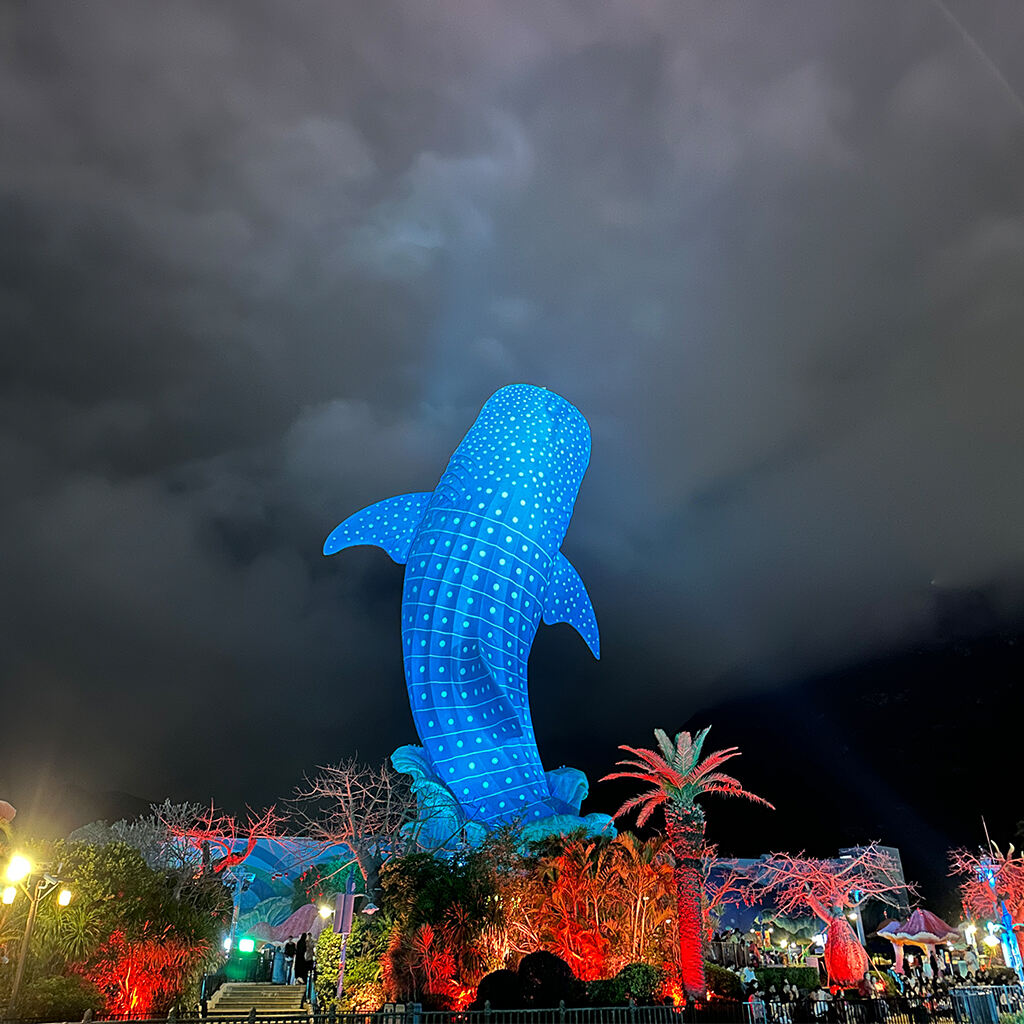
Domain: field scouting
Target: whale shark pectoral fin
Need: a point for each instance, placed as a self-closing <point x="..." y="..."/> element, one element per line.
<point x="567" y="600"/>
<point x="390" y="524"/>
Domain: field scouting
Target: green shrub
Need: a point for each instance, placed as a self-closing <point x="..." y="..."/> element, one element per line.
<point x="363" y="954"/>
<point x="641" y="981"/>
<point x="722" y="982"/>
<point x="1012" y="1018"/>
<point x="64" y="997"/>
<point x="603" y="992"/>
<point x="802" y="977"/>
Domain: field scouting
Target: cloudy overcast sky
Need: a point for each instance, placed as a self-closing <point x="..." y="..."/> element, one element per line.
<point x="261" y="264"/>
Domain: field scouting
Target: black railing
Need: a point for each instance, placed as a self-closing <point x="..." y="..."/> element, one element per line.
<point x="968" y="1005"/>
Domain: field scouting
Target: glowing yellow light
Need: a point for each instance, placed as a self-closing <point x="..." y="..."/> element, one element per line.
<point x="325" y="912"/>
<point x="991" y="940"/>
<point x="64" y="897"/>
<point x="852" y="917"/>
<point x="9" y="893"/>
<point x="19" y="868"/>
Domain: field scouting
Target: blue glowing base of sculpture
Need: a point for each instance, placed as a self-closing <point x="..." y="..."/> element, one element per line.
<point x="441" y="822"/>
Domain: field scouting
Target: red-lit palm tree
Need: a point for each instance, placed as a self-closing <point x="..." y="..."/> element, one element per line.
<point x="677" y="778"/>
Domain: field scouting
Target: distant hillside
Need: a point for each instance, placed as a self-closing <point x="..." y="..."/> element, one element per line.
<point x="58" y="809"/>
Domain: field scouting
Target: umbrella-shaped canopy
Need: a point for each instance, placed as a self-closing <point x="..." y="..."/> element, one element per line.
<point x="924" y="928"/>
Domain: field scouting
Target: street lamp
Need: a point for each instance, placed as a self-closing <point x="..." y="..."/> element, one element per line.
<point x="19" y="870"/>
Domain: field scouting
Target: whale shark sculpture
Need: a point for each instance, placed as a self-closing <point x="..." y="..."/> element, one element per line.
<point x="483" y="569"/>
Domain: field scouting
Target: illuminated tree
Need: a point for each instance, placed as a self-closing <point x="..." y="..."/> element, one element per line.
<point x="644" y="872"/>
<point x="992" y="886"/>
<point x="677" y="778"/>
<point x="364" y="807"/>
<point x="222" y="840"/>
<point x="832" y="889"/>
<point x="574" y="883"/>
<point x="726" y="883"/>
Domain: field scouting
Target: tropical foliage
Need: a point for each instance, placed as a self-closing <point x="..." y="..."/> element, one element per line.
<point x="450" y="922"/>
<point x="598" y="904"/>
<point x="110" y="936"/>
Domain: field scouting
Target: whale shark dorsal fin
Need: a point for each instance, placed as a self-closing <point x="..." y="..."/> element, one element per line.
<point x="567" y="600"/>
<point x="390" y="524"/>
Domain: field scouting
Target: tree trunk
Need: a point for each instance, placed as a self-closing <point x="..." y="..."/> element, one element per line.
<point x="685" y="827"/>
<point x="846" y="960"/>
<point x="369" y="866"/>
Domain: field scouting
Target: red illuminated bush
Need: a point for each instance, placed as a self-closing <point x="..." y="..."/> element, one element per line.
<point x="142" y="977"/>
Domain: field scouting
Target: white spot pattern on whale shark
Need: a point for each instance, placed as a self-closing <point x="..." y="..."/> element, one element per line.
<point x="483" y="568"/>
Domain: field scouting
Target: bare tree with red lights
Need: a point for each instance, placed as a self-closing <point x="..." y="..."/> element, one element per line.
<point x="831" y="889"/>
<point x="726" y="883"/>
<point x="364" y="807"/>
<point x="222" y="840"/>
<point x="677" y="778"/>
<point x="992" y="885"/>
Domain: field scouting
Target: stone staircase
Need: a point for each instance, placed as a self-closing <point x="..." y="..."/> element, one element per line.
<point x="238" y="998"/>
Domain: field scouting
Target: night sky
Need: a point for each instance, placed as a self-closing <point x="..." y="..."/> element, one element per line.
<point x="261" y="264"/>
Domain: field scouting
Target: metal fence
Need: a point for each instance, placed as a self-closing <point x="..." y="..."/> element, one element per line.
<point x="984" y="1003"/>
<point x="968" y="1005"/>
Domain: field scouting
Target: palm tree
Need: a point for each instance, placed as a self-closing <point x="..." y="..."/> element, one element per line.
<point x="677" y="778"/>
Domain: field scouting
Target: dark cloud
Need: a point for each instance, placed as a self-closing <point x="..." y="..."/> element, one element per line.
<point x="260" y="265"/>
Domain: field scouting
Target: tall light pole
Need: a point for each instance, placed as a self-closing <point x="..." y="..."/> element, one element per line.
<point x="19" y="870"/>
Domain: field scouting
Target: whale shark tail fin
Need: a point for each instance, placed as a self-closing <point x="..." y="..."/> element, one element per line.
<point x="390" y="524"/>
<point x="567" y="600"/>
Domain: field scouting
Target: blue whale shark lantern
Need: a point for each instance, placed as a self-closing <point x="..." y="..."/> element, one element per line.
<point x="483" y="568"/>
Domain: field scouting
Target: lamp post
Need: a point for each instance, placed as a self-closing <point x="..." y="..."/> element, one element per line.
<point x="19" y="870"/>
<point x="344" y="905"/>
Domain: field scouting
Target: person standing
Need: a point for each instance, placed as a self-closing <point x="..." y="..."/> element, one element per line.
<point x="289" y="959"/>
<point x="279" y="975"/>
<point x="301" y="967"/>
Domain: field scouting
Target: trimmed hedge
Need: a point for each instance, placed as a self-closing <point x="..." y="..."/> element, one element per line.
<point x="723" y="982"/>
<point x="802" y="977"/>
<point x="641" y="981"/>
<point x="63" y="997"/>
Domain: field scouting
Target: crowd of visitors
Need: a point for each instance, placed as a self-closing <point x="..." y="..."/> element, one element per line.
<point x="919" y="994"/>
